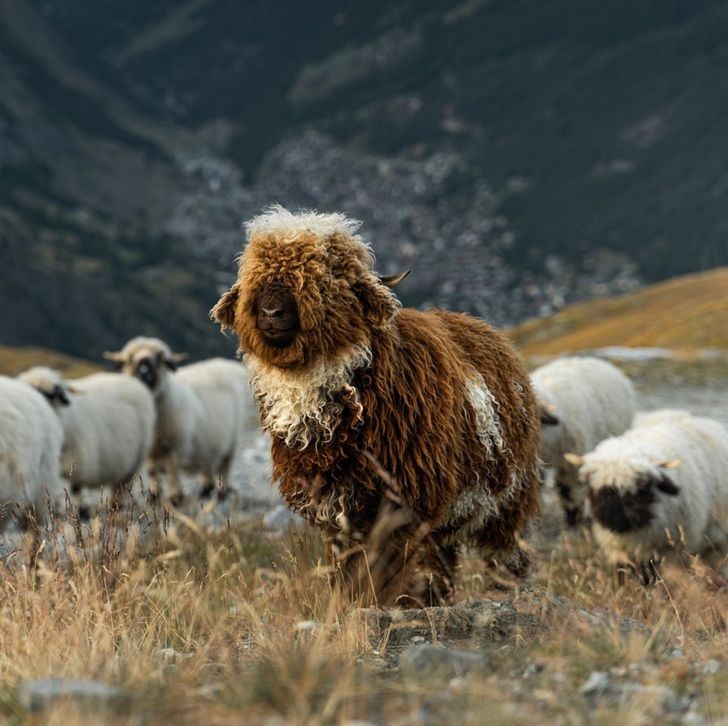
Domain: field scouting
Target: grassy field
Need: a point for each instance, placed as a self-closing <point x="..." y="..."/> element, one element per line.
<point x="683" y="314"/>
<point x="241" y="625"/>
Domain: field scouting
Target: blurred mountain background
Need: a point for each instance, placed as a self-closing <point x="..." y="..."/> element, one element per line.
<point x="516" y="155"/>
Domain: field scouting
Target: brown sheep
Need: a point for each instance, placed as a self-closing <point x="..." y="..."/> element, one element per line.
<point x="426" y="417"/>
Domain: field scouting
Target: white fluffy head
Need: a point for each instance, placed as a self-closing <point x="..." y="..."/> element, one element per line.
<point x="142" y="346"/>
<point x="43" y="379"/>
<point x="278" y="220"/>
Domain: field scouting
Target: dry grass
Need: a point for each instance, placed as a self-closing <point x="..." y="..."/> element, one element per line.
<point x="686" y="313"/>
<point x="256" y="632"/>
<point x="17" y="360"/>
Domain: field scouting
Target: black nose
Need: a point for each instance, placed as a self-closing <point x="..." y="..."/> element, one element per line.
<point x="277" y="315"/>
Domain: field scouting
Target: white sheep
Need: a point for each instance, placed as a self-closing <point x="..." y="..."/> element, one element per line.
<point x="108" y="424"/>
<point x="583" y="400"/>
<point x="30" y="449"/>
<point x="660" y="486"/>
<point x="203" y="411"/>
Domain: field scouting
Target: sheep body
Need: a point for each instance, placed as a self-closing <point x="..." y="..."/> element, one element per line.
<point x="660" y="485"/>
<point x="591" y="400"/>
<point x="203" y="410"/>
<point x="108" y="424"/>
<point x="368" y="403"/>
<point x="30" y="449"/>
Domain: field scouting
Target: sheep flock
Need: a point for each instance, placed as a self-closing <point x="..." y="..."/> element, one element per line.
<point x="403" y="436"/>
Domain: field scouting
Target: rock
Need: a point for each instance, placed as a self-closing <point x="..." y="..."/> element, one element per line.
<point x="38" y="694"/>
<point x="532" y="669"/>
<point x="598" y="685"/>
<point x="417" y="639"/>
<point x="170" y="655"/>
<point x="280" y="518"/>
<point x="693" y="718"/>
<point x="307" y="626"/>
<point x="427" y="660"/>
<point x="663" y="696"/>
<point x="710" y="667"/>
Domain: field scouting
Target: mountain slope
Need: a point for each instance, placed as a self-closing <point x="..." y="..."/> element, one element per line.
<point x="685" y="313"/>
<point x="516" y="154"/>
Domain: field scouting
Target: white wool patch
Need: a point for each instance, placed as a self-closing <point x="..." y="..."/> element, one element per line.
<point x="484" y="405"/>
<point x="278" y="220"/>
<point x="298" y="406"/>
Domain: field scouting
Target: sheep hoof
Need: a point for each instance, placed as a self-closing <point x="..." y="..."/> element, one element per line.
<point x="84" y="513"/>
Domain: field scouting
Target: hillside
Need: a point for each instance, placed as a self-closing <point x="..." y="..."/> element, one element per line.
<point x="685" y="313"/>
<point x="516" y="155"/>
<point x="16" y="360"/>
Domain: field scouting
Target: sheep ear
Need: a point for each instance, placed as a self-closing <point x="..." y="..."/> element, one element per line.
<point x="172" y="361"/>
<point x="574" y="459"/>
<point x="378" y="303"/>
<point x="224" y="310"/>
<point x="391" y="281"/>
<point x="547" y="418"/>
<point x="669" y="464"/>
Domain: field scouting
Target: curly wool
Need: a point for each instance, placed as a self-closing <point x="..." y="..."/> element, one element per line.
<point x="369" y="394"/>
<point x="299" y="406"/>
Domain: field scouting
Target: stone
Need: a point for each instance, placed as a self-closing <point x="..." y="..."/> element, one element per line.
<point x="598" y="684"/>
<point x="35" y="695"/>
<point x="426" y="660"/>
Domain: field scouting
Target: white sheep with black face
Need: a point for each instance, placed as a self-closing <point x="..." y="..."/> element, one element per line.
<point x="30" y="450"/>
<point x="583" y="401"/>
<point x="108" y="424"/>
<point x="660" y="487"/>
<point x="203" y="411"/>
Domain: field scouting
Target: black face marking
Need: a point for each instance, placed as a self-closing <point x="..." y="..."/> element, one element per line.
<point x="624" y="511"/>
<point x="146" y="371"/>
<point x="276" y="315"/>
<point x="57" y="395"/>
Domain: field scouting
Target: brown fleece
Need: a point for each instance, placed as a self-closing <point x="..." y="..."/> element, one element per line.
<point x="417" y="442"/>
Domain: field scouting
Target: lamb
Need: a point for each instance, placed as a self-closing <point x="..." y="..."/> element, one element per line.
<point x="30" y="449"/>
<point x="662" y="486"/>
<point x="427" y="417"/>
<point x="108" y="424"/>
<point x="203" y="410"/>
<point x="583" y="401"/>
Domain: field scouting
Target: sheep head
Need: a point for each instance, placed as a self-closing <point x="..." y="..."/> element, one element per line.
<point x="626" y="502"/>
<point x="50" y="383"/>
<point x="147" y="359"/>
<point x="305" y="290"/>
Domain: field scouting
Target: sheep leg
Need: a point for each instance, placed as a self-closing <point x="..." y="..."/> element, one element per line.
<point x="439" y="565"/>
<point x="177" y="497"/>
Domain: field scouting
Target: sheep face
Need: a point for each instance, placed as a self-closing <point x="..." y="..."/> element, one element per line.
<point x="148" y="359"/>
<point x="628" y="506"/>
<point x="305" y="291"/>
<point x="49" y="383"/>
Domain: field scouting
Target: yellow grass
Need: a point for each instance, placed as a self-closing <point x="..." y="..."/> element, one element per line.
<point x="686" y="313"/>
<point x="206" y="627"/>
<point x="14" y="360"/>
